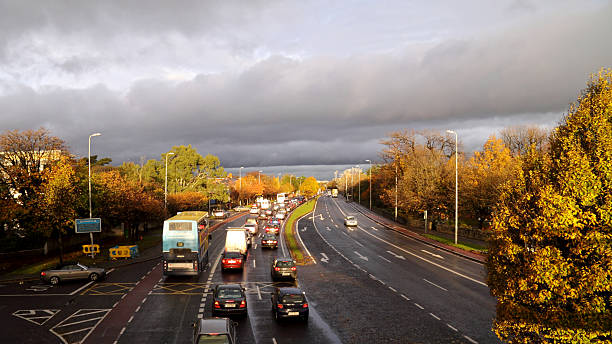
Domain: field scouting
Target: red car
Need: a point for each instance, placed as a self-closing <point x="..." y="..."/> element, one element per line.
<point x="271" y="229"/>
<point x="232" y="260"/>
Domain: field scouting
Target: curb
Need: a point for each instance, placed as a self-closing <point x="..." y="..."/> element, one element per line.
<point x="476" y="257"/>
<point x="304" y="260"/>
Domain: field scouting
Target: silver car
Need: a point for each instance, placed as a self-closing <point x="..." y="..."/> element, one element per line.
<point x="72" y="271"/>
<point x="350" y="221"/>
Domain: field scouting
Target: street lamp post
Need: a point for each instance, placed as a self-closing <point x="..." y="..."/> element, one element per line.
<point x="352" y="183"/>
<point x="396" y="191"/>
<point x="259" y="176"/>
<point x="370" y="177"/>
<point x="456" y="187"/>
<point x="89" y="180"/>
<point x="166" y="182"/>
<point x="359" y="181"/>
<point x="240" y="190"/>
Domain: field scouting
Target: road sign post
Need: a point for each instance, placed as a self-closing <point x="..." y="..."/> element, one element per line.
<point x="91" y="225"/>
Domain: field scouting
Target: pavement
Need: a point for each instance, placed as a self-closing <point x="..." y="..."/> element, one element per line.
<point x="151" y="253"/>
<point x="418" y="234"/>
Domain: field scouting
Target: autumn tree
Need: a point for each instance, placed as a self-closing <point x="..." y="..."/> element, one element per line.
<point x="309" y="187"/>
<point x="520" y="138"/>
<point x="59" y="199"/>
<point x="550" y="256"/>
<point x="483" y="179"/>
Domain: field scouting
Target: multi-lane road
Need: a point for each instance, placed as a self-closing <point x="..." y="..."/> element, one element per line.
<point x="366" y="284"/>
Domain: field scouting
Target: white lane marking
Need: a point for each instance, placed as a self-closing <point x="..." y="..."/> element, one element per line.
<point x="336" y="226"/>
<point x="274" y="341"/>
<point x="433" y="254"/>
<point x="258" y="293"/>
<point x="383" y="258"/>
<point x="327" y="227"/>
<point x="122" y="330"/>
<point x="452" y="328"/>
<point x="422" y="258"/>
<point x="358" y="243"/>
<point x="138" y="308"/>
<point x="360" y="256"/>
<point x="254" y="265"/>
<point x="416" y="304"/>
<point x="470" y="339"/>
<point x="297" y="223"/>
<point x="405" y="297"/>
<point x="255" y="246"/>
<point x="325" y="258"/>
<point x="396" y="255"/>
<point x="393" y="289"/>
<point x="435" y="316"/>
<point x="374" y="228"/>
<point x="81" y="288"/>
<point x="131" y="318"/>
<point x="432" y="283"/>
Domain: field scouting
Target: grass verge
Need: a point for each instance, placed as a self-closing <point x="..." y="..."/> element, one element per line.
<point x="463" y="246"/>
<point x="294" y="248"/>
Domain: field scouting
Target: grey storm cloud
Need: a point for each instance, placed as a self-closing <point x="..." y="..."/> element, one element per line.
<point x="314" y="109"/>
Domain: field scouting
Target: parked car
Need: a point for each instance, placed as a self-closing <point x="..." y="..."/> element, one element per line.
<point x="289" y="303"/>
<point x="254" y="210"/>
<point x="72" y="271"/>
<point x="214" y="330"/>
<point x="269" y="240"/>
<point x="229" y="299"/>
<point x="283" y="267"/>
<point x="241" y="208"/>
<point x="232" y="260"/>
<point x="219" y="214"/>
<point x="350" y="221"/>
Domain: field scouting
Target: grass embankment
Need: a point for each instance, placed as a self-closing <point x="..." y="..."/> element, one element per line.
<point x="463" y="246"/>
<point x="294" y="248"/>
<point x="150" y="239"/>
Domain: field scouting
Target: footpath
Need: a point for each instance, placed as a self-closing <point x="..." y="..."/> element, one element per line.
<point x="148" y="254"/>
<point x="417" y="234"/>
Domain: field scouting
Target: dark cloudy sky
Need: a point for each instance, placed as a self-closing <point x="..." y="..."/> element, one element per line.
<point x="291" y="82"/>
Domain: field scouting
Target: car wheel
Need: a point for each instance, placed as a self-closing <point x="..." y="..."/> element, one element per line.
<point x="93" y="277"/>
<point x="54" y="280"/>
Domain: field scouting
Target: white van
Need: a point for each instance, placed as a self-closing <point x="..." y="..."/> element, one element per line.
<point x="237" y="239"/>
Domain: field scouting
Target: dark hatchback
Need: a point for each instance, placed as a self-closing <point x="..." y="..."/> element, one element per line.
<point x="289" y="303"/>
<point x="283" y="268"/>
<point x="269" y="241"/>
<point x="229" y="299"/>
<point x="232" y="260"/>
<point x="214" y="331"/>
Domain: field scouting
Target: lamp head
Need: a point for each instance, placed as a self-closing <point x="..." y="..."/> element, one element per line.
<point x="450" y="132"/>
<point x="95" y="134"/>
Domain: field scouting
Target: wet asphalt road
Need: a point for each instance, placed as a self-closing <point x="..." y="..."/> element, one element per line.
<point x="368" y="285"/>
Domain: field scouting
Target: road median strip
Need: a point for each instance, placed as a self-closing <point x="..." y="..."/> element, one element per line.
<point x="292" y="244"/>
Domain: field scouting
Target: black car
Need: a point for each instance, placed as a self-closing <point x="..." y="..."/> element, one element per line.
<point x="289" y="303"/>
<point x="269" y="240"/>
<point x="229" y="299"/>
<point x="214" y="330"/>
<point x="283" y="267"/>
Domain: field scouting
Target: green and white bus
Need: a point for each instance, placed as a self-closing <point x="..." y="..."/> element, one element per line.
<point x="185" y="241"/>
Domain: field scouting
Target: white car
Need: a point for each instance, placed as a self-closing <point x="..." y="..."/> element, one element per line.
<point x="254" y="210"/>
<point x="219" y="214"/>
<point x="280" y="216"/>
<point x="350" y="221"/>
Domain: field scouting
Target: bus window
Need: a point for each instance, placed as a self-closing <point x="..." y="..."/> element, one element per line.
<point x="179" y="226"/>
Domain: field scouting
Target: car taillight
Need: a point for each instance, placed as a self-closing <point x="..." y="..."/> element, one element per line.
<point x="43" y="273"/>
<point x="243" y="304"/>
<point x="305" y="305"/>
<point x="276" y="269"/>
<point x="239" y="261"/>
<point x="224" y="261"/>
<point x="274" y="242"/>
<point x="280" y="306"/>
<point x="293" y="268"/>
<point x="217" y="305"/>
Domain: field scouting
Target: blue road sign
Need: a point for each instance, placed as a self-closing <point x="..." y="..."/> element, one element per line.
<point x="88" y="225"/>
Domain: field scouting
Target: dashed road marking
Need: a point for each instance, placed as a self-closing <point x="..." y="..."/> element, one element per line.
<point x="416" y="304"/>
<point x="435" y="316"/>
<point x="470" y="339"/>
<point x="452" y="328"/>
<point x="432" y="283"/>
<point x="385" y="259"/>
<point x="405" y="297"/>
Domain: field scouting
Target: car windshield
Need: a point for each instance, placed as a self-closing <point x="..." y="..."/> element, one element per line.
<point x="350" y="218"/>
<point x="214" y="339"/>
<point x="251" y="221"/>
<point x="228" y="293"/>
<point x="293" y="298"/>
<point x="284" y="264"/>
<point x="269" y="237"/>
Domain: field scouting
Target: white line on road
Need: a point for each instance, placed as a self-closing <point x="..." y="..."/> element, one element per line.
<point x="358" y="243"/>
<point x="138" y="308"/>
<point x="435" y="316"/>
<point x="297" y="223"/>
<point x="452" y="328"/>
<point x="325" y="258"/>
<point x="360" y="256"/>
<point x="258" y="293"/>
<point x="383" y="258"/>
<point x="432" y="283"/>
<point x="374" y="228"/>
<point x="329" y="229"/>
<point x="416" y="304"/>
<point x="81" y="288"/>
<point x="254" y="265"/>
<point x="274" y="341"/>
<point x="393" y="289"/>
<point x="433" y="254"/>
<point x="470" y="339"/>
<point x="131" y="318"/>
<point x="396" y="255"/>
